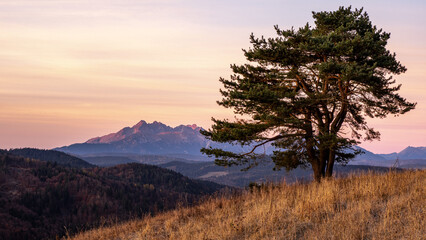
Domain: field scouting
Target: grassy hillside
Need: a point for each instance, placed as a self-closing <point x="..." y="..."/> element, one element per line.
<point x="368" y="206"/>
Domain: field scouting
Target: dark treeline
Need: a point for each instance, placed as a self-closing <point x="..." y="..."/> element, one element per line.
<point x="45" y="200"/>
<point x="51" y="156"/>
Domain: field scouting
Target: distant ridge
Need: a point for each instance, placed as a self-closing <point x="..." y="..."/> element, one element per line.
<point x="412" y="153"/>
<point x="410" y="157"/>
<point x="51" y="156"/>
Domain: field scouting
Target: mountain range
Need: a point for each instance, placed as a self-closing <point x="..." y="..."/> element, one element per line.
<point x="407" y="153"/>
<point x="410" y="157"/>
<point x="186" y="140"/>
<point x="144" y="138"/>
<point x="150" y="138"/>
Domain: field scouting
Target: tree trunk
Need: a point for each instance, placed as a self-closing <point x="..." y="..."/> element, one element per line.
<point x="317" y="174"/>
<point x="319" y="165"/>
<point x="323" y="161"/>
<point x="330" y="163"/>
<point x="316" y="169"/>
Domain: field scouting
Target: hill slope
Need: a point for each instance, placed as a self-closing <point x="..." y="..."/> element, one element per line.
<point x="51" y="156"/>
<point x="41" y="200"/>
<point x="386" y="206"/>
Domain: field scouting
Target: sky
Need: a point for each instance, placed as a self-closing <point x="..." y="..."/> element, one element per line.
<point x="71" y="70"/>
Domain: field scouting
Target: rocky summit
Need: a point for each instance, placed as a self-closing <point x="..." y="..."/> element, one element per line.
<point x="145" y="138"/>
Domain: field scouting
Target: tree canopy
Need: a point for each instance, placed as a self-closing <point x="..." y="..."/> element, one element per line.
<point x="308" y="92"/>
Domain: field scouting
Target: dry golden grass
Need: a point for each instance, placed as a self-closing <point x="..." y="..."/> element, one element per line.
<point x="369" y="206"/>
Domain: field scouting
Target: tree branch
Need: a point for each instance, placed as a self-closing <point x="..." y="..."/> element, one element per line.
<point x="270" y="140"/>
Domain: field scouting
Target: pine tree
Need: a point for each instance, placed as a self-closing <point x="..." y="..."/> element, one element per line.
<point x="308" y="93"/>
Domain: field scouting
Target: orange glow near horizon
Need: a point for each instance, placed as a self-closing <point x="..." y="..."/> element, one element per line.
<point x="73" y="70"/>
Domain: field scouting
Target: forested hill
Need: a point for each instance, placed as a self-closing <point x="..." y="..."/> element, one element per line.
<point x="51" y="156"/>
<point x="42" y="200"/>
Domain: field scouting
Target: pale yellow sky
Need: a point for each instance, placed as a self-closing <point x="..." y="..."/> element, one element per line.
<point x="73" y="69"/>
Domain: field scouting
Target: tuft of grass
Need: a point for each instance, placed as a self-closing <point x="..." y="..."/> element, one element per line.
<point x="368" y="206"/>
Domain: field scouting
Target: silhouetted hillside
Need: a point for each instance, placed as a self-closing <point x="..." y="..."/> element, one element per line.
<point x="41" y="200"/>
<point x="51" y="156"/>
